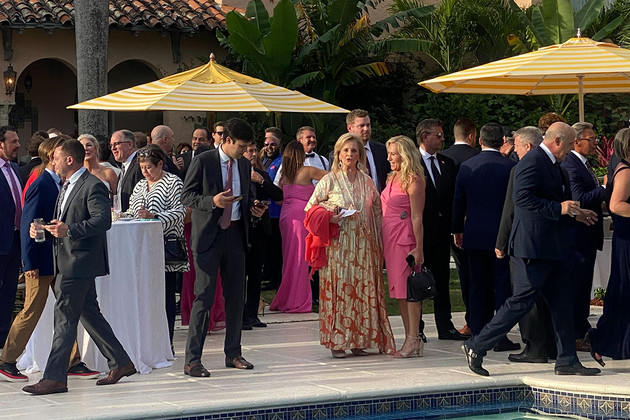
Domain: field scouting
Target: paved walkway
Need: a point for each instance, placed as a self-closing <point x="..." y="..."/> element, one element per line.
<point x="291" y="369"/>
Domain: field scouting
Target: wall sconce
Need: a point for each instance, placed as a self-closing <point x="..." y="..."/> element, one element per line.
<point x="28" y="82"/>
<point x="9" y="80"/>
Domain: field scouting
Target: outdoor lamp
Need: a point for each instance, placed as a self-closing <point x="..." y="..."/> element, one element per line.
<point x="28" y="82"/>
<point x="9" y="80"/>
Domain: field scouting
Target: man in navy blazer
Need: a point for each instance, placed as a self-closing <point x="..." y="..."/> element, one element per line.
<point x="358" y="122"/>
<point x="82" y="218"/>
<point x="440" y="173"/>
<point x="480" y="190"/>
<point x="10" y="217"/>
<point x="465" y="134"/>
<point x="587" y="240"/>
<point x="220" y="224"/>
<point x="538" y="241"/>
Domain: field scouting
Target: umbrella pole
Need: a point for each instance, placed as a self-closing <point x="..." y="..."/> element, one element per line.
<point x="581" y="96"/>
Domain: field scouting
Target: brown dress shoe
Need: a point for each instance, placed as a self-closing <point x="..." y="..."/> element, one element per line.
<point x="196" y="370"/>
<point x="46" y="386"/>
<point x="238" y="362"/>
<point x="115" y="375"/>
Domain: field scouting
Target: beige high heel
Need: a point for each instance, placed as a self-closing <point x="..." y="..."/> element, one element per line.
<point x="418" y="351"/>
<point x="261" y="307"/>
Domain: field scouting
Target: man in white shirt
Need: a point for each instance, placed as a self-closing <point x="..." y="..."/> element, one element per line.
<point x="308" y="139"/>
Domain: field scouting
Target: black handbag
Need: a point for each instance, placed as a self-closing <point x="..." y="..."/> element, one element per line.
<point x="420" y="284"/>
<point x="175" y="250"/>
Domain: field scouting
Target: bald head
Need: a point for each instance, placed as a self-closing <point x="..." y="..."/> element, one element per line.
<point x="162" y="136"/>
<point x="559" y="139"/>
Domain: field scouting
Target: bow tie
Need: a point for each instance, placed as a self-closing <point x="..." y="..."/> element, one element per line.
<point x="308" y="155"/>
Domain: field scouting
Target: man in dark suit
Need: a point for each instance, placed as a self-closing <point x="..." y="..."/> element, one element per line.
<point x="200" y="143"/>
<point x="163" y="137"/>
<point x="218" y="188"/>
<point x="465" y="134"/>
<point x="10" y="217"/>
<point x="358" y="122"/>
<point x="479" y="195"/>
<point x="587" y="240"/>
<point x="440" y="173"/>
<point x="123" y="146"/>
<point x="35" y="160"/>
<point x="535" y="326"/>
<point x="82" y="218"/>
<point x="542" y="214"/>
<point x="218" y="134"/>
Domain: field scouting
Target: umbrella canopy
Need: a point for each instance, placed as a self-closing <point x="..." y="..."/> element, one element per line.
<point x="211" y="87"/>
<point x="579" y="65"/>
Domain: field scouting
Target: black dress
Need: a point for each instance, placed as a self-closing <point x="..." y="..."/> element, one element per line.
<point x="612" y="336"/>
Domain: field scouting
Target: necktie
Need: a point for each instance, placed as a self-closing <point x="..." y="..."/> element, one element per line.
<point x="367" y="161"/>
<point x="62" y="193"/>
<point x="435" y="172"/>
<point x="310" y="155"/>
<point x="15" y="191"/>
<point x="226" y="217"/>
<point x="590" y="170"/>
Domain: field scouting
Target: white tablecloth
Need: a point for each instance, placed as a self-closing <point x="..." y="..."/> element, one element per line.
<point x="131" y="299"/>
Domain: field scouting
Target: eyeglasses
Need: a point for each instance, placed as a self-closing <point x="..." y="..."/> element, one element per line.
<point x="590" y="138"/>
<point x="270" y="144"/>
<point x="439" y="134"/>
<point x="118" y="143"/>
<point x="220" y="133"/>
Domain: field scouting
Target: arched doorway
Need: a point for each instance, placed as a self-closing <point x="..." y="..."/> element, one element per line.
<point x="41" y="103"/>
<point x="125" y="75"/>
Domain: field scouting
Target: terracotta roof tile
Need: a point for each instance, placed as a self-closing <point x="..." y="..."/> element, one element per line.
<point x="125" y="14"/>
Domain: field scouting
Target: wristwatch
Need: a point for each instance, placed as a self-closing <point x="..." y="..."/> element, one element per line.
<point x="69" y="234"/>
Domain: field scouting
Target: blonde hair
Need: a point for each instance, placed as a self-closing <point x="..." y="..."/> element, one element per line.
<point x="621" y="144"/>
<point x="410" y="165"/>
<point x="336" y="165"/>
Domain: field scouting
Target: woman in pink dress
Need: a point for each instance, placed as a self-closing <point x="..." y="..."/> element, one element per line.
<point x="403" y="204"/>
<point x="294" y="294"/>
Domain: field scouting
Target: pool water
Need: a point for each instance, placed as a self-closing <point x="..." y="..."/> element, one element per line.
<point x="515" y="416"/>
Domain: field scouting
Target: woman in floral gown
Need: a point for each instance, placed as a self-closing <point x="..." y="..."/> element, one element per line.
<point x="352" y="312"/>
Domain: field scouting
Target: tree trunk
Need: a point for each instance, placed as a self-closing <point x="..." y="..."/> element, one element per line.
<point x="92" y="34"/>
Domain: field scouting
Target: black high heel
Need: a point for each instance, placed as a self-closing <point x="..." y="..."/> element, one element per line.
<point x="594" y="355"/>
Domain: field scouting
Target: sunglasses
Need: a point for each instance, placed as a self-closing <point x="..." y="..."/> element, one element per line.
<point x="145" y="153"/>
<point x="270" y="144"/>
<point x="220" y="133"/>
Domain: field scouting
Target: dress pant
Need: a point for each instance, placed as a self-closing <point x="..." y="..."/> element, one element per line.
<point x="489" y="286"/>
<point x="256" y="256"/>
<point x="548" y="277"/>
<point x="227" y="254"/>
<point x="170" y="283"/>
<point x="76" y="300"/>
<point x="9" y="272"/>
<point x="437" y="258"/>
<point x="461" y="263"/>
<point x="36" y="294"/>
<point x="535" y="326"/>
<point x="581" y="267"/>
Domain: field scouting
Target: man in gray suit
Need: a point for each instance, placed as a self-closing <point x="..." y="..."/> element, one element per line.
<point x="82" y="218"/>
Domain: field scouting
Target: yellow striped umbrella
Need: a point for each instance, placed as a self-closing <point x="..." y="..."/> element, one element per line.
<point x="211" y="87"/>
<point x="579" y="65"/>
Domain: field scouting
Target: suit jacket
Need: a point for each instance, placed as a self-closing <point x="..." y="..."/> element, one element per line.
<point x="25" y="170"/>
<point x="438" y="202"/>
<point x="268" y="190"/>
<point x="132" y="175"/>
<point x="460" y="152"/>
<point x="187" y="157"/>
<point x="379" y="152"/>
<point x="203" y="182"/>
<point x="591" y="196"/>
<point x="507" y="217"/>
<point x="479" y="196"/>
<point x="87" y="213"/>
<point x="39" y="202"/>
<point x="539" y="230"/>
<point x="7" y="212"/>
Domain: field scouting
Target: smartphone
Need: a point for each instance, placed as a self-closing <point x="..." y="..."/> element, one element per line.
<point x="238" y="198"/>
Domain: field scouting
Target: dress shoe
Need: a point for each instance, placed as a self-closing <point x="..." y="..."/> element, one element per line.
<point x="422" y="337"/>
<point x="247" y="326"/>
<point x="465" y="331"/>
<point x="474" y="360"/>
<point x="238" y="362"/>
<point x="81" y="371"/>
<point x="46" y="386"/>
<point x="505" y="344"/>
<point x="582" y="345"/>
<point x="359" y="352"/>
<point x="257" y="323"/>
<point x="196" y="370"/>
<point x="117" y="374"/>
<point x="524" y="357"/>
<point x="338" y="354"/>
<point x="576" y="369"/>
<point x="451" y="334"/>
<point x="11" y="373"/>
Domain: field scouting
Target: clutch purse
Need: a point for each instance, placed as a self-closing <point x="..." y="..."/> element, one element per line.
<point x="175" y="250"/>
<point x="420" y="284"/>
